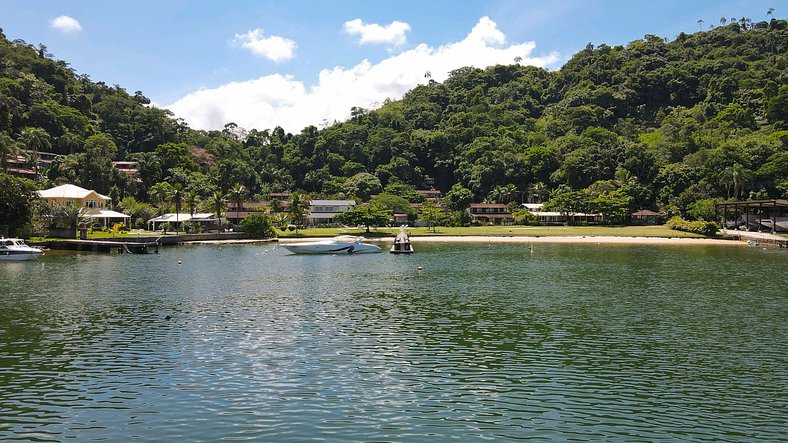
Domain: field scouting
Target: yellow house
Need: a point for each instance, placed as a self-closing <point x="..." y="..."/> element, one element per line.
<point x="69" y="195"/>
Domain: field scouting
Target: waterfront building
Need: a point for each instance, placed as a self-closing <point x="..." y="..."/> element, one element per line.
<point x="322" y="212"/>
<point x="98" y="206"/>
<point x="491" y="213"/>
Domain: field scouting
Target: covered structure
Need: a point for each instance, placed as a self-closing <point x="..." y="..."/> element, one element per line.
<point x="176" y="220"/>
<point x="754" y="215"/>
<point x="645" y="217"/>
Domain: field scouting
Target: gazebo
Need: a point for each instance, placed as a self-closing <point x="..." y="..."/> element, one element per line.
<point x="646" y="217"/>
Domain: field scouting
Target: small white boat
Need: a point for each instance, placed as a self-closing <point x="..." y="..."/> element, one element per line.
<point x="343" y="244"/>
<point x="15" y="249"/>
<point x="402" y="244"/>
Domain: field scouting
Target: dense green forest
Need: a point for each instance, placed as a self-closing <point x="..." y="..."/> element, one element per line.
<point x="667" y="125"/>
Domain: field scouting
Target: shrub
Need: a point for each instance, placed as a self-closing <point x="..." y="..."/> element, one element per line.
<point x="258" y="226"/>
<point x="696" y="227"/>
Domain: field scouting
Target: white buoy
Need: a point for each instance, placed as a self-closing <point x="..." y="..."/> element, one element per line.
<point x="419" y="268"/>
<point x="180" y="262"/>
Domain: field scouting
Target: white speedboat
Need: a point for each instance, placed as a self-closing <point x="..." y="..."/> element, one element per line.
<point x="15" y="249"/>
<point x="343" y="244"/>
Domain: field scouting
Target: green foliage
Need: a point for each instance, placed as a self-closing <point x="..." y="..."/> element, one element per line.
<point x="696" y="227"/>
<point x="703" y="210"/>
<point x="392" y="203"/>
<point x="258" y="226"/>
<point x="17" y="201"/>
<point x="671" y="122"/>
<point x="366" y="216"/>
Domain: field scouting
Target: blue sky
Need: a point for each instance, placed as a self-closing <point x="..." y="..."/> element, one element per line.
<point x="292" y="63"/>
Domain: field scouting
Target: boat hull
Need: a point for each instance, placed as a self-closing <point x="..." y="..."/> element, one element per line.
<point x="330" y="248"/>
<point x="20" y="256"/>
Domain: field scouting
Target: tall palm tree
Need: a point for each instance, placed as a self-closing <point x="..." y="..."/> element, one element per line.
<point x="298" y="206"/>
<point x="71" y="216"/>
<point x="217" y="203"/>
<point x="191" y="198"/>
<point x="700" y="24"/>
<point x="237" y="195"/>
<point x="769" y="12"/>
<point x="723" y="20"/>
<point x="9" y="148"/>
<point x="176" y="195"/>
<point x="35" y="139"/>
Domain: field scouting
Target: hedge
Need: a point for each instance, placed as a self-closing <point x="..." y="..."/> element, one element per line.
<point x="696" y="227"/>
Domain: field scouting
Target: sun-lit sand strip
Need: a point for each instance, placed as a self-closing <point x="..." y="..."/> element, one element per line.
<point x="582" y="240"/>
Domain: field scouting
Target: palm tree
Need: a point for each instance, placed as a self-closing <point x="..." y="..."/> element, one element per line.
<point x="9" y="148"/>
<point x="160" y="193"/>
<point x="191" y="198"/>
<point x="71" y="216"/>
<point x="176" y="195"/>
<point x="298" y="206"/>
<point x="769" y="12"/>
<point x="700" y="24"/>
<point x="237" y="195"/>
<point x="736" y="177"/>
<point x="217" y="203"/>
<point x="518" y="59"/>
<point x="723" y="20"/>
<point x="35" y="139"/>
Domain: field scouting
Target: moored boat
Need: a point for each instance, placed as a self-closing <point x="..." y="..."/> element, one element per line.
<point x="402" y="244"/>
<point x="15" y="249"/>
<point x="343" y="244"/>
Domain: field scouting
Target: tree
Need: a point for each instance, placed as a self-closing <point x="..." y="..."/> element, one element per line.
<point x="298" y="206"/>
<point x="217" y="203"/>
<point x="430" y="214"/>
<point x="35" y="139"/>
<point x="393" y="203"/>
<point x="237" y="195"/>
<point x="176" y="195"/>
<point x="258" y="226"/>
<point x="160" y="193"/>
<point x="17" y="200"/>
<point x="9" y="148"/>
<point x="362" y="185"/>
<point x="458" y="198"/>
<point x="70" y="216"/>
<point x="700" y="24"/>
<point x="192" y="199"/>
<point x="363" y="216"/>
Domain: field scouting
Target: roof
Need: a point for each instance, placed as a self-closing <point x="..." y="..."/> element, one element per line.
<point x="106" y="213"/>
<point x="487" y="205"/>
<point x="429" y="191"/>
<point x="756" y="203"/>
<point x="69" y="191"/>
<point x="498" y="215"/>
<point x="332" y="202"/>
<point x="172" y="217"/>
<point x="645" y="212"/>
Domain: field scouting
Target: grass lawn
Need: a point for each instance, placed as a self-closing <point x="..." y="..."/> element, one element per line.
<point x="519" y="231"/>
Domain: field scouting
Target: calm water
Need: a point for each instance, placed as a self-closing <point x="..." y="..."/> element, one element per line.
<point x="487" y="342"/>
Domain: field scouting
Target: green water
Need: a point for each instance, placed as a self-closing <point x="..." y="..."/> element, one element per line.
<point x="497" y="342"/>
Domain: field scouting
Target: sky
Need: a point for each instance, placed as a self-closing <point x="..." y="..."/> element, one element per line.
<point x="262" y="64"/>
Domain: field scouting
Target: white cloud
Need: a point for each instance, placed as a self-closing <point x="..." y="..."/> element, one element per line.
<point x="277" y="100"/>
<point x="393" y="33"/>
<point x="274" y="48"/>
<point x="66" y="24"/>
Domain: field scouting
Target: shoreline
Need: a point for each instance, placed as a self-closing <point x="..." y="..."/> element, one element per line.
<point x="609" y="240"/>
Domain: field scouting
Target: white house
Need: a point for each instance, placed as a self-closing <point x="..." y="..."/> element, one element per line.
<point x="322" y="212"/>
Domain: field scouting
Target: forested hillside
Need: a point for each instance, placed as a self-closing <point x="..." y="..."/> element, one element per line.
<point x="654" y="124"/>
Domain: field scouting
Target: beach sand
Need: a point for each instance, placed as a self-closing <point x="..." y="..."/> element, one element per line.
<point x="606" y="240"/>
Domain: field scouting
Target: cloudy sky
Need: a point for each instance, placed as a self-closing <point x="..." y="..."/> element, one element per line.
<point x="261" y="64"/>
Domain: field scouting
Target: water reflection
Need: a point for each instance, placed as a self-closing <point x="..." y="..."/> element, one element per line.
<point x="561" y="342"/>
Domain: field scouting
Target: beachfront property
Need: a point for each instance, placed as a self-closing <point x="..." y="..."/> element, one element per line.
<point x="97" y="205"/>
<point x="28" y="162"/>
<point x="491" y="214"/>
<point x="559" y="218"/>
<point x="206" y="219"/>
<point x="645" y="217"/>
<point x="322" y="212"/>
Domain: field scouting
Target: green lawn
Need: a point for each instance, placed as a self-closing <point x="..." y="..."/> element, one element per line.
<point x="522" y="231"/>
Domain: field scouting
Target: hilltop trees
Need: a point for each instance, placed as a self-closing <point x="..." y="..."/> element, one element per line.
<point x="660" y="123"/>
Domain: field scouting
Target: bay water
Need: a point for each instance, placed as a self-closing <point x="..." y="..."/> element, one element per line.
<point x="458" y="341"/>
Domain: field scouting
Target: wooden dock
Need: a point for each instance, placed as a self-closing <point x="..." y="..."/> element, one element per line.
<point x="119" y="246"/>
